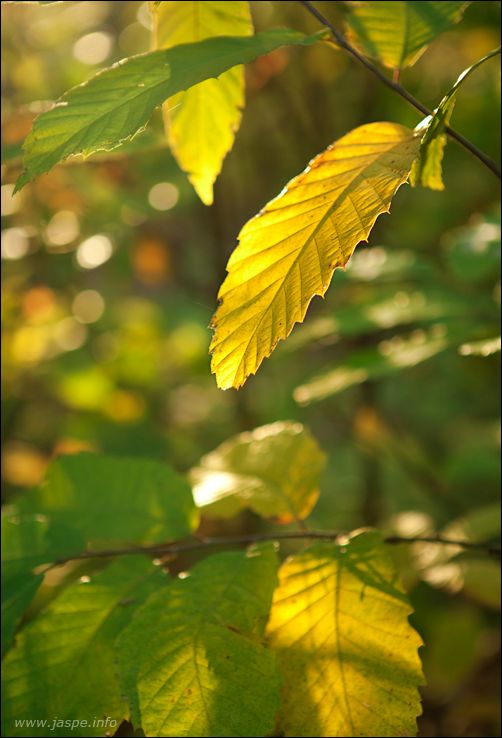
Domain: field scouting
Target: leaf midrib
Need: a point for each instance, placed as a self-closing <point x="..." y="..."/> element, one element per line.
<point x="110" y="145"/>
<point x="341" y="196"/>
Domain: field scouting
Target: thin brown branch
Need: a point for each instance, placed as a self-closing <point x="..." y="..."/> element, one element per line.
<point x="398" y="88"/>
<point x="175" y="548"/>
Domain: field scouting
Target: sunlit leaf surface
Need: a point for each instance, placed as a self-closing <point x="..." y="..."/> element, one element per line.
<point x="397" y="33"/>
<point x="201" y="123"/>
<point x="118" y="102"/>
<point x="289" y="251"/>
<point x="347" y="652"/>
<point x="427" y="169"/>
<point x="273" y="470"/>
<point x="62" y="666"/>
<point x="194" y="660"/>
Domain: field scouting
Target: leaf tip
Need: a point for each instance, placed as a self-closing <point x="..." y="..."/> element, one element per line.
<point x="21" y="181"/>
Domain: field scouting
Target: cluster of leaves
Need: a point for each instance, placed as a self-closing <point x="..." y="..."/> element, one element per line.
<point x="242" y="644"/>
<point x="287" y="254"/>
<point x="176" y="655"/>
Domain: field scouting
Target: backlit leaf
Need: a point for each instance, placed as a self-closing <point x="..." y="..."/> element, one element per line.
<point x="116" y="103"/>
<point x="273" y="470"/>
<point x="426" y="169"/>
<point x="347" y="652"/>
<point x="193" y="659"/>
<point x="115" y="499"/>
<point x="17" y="593"/>
<point x="62" y="666"/>
<point x="289" y="251"/>
<point x="28" y="542"/>
<point x="397" y="33"/>
<point x="201" y="123"/>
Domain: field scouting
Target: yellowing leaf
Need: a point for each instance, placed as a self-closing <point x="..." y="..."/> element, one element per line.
<point x="397" y="33"/>
<point x="273" y="470"/>
<point x="201" y="123"/>
<point x="347" y="653"/>
<point x="289" y="251"/>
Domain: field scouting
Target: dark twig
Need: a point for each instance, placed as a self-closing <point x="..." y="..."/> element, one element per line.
<point x="398" y="88"/>
<point x="174" y="548"/>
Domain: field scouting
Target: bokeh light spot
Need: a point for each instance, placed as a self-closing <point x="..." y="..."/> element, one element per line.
<point x="163" y="196"/>
<point x="15" y="243"/>
<point x="88" y="306"/>
<point x="93" y="48"/>
<point x="94" y="251"/>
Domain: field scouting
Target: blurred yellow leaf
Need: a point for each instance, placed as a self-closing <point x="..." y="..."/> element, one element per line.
<point x="347" y="652"/>
<point x="274" y="470"/>
<point x="289" y="251"/>
<point x="201" y="123"/>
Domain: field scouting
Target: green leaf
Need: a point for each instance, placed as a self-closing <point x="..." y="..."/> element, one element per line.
<point x="288" y="252"/>
<point x="193" y="658"/>
<point x="201" y="123"/>
<point x="397" y="33"/>
<point x="426" y="170"/>
<point x="63" y="664"/>
<point x="115" y="499"/>
<point x="28" y="542"/>
<point x="347" y="652"/>
<point x="391" y="355"/>
<point x="17" y="593"/>
<point x="116" y="103"/>
<point x="273" y="470"/>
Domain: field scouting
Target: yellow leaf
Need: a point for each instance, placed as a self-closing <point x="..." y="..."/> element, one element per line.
<point x="347" y="652"/>
<point x="273" y="470"/>
<point x="201" y="123"/>
<point x="289" y="251"/>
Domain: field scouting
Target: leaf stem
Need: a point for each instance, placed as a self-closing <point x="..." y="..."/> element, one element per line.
<point x="328" y="535"/>
<point x="398" y="88"/>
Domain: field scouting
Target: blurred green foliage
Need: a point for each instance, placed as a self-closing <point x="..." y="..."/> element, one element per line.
<point x="111" y="268"/>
